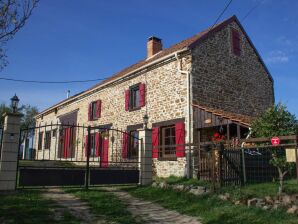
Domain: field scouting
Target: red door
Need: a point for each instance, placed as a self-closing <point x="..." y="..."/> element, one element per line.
<point x="66" y="145"/>
<point x="104" y="154"/>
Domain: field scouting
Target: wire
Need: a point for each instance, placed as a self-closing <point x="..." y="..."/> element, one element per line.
<point x="251" y="10"/>
<point x="220" y="15"/>
<point x="51" y="82"/>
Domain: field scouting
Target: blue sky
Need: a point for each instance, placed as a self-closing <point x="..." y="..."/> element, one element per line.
<point x="90" y="39"/>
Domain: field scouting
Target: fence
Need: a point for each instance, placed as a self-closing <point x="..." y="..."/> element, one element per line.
<point x="247" y="161"/>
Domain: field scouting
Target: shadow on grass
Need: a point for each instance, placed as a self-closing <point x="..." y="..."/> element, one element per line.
<point x="28" y="206"/>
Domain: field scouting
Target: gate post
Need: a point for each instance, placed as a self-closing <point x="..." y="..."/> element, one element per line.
<point x="9" y="152"/>
<point x="145" y="153"/>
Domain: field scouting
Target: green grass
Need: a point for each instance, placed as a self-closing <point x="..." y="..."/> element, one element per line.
<point x="211" y="209"/>
<point x="28" y="206"/>
<point x="106" y="205"/>
<point x="172" y="180"/>
<point x="260" y="190"/>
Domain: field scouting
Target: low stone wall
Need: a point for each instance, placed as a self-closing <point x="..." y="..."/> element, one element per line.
<point x="169" y="168"/>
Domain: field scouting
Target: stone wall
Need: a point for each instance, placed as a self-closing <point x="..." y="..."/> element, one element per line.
<point x="166" y="99"/>
<point x="225" y="81"/>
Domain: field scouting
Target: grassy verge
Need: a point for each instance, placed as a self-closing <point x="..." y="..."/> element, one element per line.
<point x="211" y="209"/>
<point x="172" y="180"/>
<point x="28" y="206"/>
<point x="106" y="205"/>
<point x="260" y="190"/>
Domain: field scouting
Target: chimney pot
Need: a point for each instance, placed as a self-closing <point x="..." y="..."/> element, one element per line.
<point x="154" y="45"/>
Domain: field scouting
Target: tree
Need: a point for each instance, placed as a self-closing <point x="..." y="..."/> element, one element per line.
<point x="13" y="16"/>
<point x="277" y="121"/>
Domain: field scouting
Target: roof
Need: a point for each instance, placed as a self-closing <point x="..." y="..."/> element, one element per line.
<point x="186" y="44"/>
<point x="238" y="118"/>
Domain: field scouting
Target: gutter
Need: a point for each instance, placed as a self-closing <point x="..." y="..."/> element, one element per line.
<point x="113" y="81"/>
<point x="188" y="74"/>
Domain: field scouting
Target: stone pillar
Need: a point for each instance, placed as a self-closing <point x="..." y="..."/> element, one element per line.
<point x="145" y="152"/>
<point x="9" y="152"/>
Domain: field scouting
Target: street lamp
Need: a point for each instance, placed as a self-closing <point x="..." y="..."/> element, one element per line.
<point x="14" y="103"/>
<point x="145" y="120"/>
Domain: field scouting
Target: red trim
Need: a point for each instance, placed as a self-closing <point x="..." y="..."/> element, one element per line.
<point x="125" y="145"/>
<point x="89" y="111"/>
<point x="104" y="155"/>
<point x="97" y="144"/>
<point x="180" y="139"/>
<point x="155" y="142"/>
<point x="126" y="100"/>
<point x="142" y="89"/>
<point x="66" y="142"/>
<point x="98" y="108"/>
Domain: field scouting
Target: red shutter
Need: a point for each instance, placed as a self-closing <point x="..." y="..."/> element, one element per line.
<point x="89" y="111"/>
<point x="236" y="42"/>
<point x="126" y="100"/>
<point x="66" y="142"/>
<point x="104" y="157"/>
<point x="180" y="139"/>
<point x="155" y="142"/>
<point x="142" y="89"/>
<point x="97" y="144"/>
<point x="86" y="145"/>
<point x="125" y="145"/>
<point x="98" y="109"/>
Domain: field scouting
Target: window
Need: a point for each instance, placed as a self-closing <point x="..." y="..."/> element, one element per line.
<point x="92" y="146"/>
<point x="134" y="97"/>
<point x="47" y="142"/>
<point x="93" y="110"/>
<point x="133" y="144"/>
<point x="40" y="136"/>
<point x="236" y="44"/>
<point x="168" y="142"/>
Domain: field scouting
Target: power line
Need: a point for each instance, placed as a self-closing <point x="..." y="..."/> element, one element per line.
<point x="51" y="82"/>
<point x="220" y="15"/>
<point x="251" y="10"/>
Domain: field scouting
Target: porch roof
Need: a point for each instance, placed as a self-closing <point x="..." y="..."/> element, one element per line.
<point x="210" y="117"/>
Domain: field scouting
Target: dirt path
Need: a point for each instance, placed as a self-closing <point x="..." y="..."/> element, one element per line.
<point x="73" y="205"/>
<point x="150" y="212"/>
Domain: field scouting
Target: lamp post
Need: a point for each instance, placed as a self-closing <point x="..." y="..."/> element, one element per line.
<point x="145" y="120"/>
<point x="14" y="103"/>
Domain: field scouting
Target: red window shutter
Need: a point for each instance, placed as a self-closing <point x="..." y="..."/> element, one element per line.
<point x="98" y="109"/>
<point x="180" y="139"/>
<point x="97" y="144"/>
<point x="86" y="145"/>
<point x="142" y="89"/>
<point x="126" y="100"/>
<point x="104" y="157"/>
<point x="89" y="111"/>
<point x="155" y="142"/>
<point x="236" y="42"/>
<point x="66" y="142"/>
<point x="125" y="145"/>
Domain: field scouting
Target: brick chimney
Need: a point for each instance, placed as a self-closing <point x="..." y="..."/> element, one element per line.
<point x="154" y="45"/>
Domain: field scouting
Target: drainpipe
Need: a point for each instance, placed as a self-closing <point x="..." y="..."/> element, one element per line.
<point x="243" y="157"/>
<point x="187" y="72"/>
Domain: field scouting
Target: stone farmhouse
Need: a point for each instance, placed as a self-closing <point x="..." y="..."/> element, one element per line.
<point x="214" y="81"/>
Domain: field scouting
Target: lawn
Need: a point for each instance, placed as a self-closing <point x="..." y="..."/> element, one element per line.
<point x="28" y="206"/>
<point x="172" y="180"/>
<point x="105" y="205"/>
<point x="260" y="190"/>
<point x="211" y="209"/>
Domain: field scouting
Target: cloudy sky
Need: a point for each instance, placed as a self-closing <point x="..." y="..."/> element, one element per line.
<point x="90" y="39"/>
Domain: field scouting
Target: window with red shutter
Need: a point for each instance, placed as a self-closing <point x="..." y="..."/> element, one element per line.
<point x="155" y="142"/>
<point x="127" y="100"/>
<point x="236" y="42"/>
<point x="142" y="89"/>
<point x="98" y="109"/>
<point x="180" y="139"/>
<point x="125" y="140"/>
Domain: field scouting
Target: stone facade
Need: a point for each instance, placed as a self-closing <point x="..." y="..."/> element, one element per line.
<point x="222" y="80"/>
<point x="219" y="79"/>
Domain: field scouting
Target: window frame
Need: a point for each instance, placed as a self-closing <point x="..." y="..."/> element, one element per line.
<point x="162" y="138"/>
<point x="40" y="137"/>
<point x="134" y="102"/>
<point x="93" y="115"/>
<point x="47" y="140"/>
<point x="233" y="47"/>
<point x="132" y="140"/>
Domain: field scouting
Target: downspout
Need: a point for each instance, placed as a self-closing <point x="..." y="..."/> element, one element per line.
<point x="243" y="157"/>
<point x="187" y="72"/>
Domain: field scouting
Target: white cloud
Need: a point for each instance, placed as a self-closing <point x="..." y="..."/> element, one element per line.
<point x="277" y="57"/>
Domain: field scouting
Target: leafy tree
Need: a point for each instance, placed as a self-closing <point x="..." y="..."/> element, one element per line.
<point x="13" y="16"/>
<point x="277" y="121"/>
